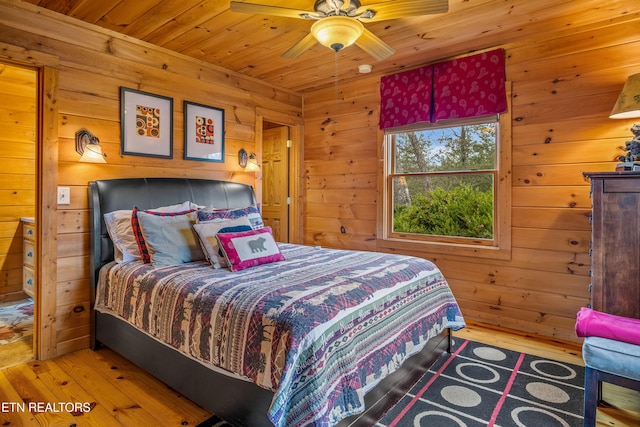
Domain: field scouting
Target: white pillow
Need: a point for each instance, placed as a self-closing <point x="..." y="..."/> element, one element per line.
<point x="125" y="247"/>
<point x="170" y="240"/>
<point x="207" y="236"/>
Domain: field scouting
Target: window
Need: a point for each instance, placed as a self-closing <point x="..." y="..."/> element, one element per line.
<point x="446" y="157"/>
<point x="447" y="184"/>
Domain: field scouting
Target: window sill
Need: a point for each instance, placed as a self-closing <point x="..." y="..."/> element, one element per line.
<point x="414" y="247"/>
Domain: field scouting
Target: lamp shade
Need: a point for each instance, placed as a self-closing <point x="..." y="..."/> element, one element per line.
<point x="92" y="154"/>
<point x="252" y="164"/>
<point x="337" y="32"/>
<point x="628" y="104"/>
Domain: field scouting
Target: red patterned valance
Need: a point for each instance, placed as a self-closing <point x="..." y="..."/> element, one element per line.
<point x="469" y="87"/>
<point x="466" y="87"/>
<point x="405" y="98"/>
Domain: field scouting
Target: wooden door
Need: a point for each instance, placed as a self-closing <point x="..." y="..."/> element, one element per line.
<point x="275" y="181"/>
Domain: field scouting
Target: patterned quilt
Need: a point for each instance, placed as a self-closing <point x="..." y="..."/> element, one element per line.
<point x="319" y="329"/>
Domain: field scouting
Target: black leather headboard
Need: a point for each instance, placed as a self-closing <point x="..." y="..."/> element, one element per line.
<point x="145" y="193"/>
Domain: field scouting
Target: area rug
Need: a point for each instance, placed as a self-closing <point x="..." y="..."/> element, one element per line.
<point x="482" y="385"/>
<point x="16" y="321"/>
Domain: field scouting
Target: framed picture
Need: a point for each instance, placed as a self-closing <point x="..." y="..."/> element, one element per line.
<point x="146" y="124"/>
<point x="203" y="132"/>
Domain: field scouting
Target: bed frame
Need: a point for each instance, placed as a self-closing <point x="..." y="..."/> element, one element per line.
<point x="239" y="402"/>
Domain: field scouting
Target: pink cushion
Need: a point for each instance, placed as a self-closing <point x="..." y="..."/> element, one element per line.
<point x="246" y="249"/>
<point x="591" y="323"/>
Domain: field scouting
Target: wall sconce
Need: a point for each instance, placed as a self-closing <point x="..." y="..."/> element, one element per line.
<point x="88" y="145"/>
<point x="248" y="161"/>
<point x="628" y="107"/>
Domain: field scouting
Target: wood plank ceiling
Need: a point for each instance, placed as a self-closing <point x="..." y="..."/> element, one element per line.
<point x="253" y="44"/>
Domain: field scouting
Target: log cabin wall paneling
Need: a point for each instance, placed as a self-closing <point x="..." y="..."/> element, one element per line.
<point x="565" y="80"/>
<point x="93" y="64"/>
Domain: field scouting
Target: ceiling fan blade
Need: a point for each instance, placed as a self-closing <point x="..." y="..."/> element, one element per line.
<point x="375" y="47"/>
<point x="301" y="47"/>
<point x="403" y="9"/>
<point x="261" y="9"/>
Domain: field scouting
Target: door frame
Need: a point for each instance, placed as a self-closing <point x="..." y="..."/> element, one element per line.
<point x="296" y="166"/>
<point x="46" y="345"/>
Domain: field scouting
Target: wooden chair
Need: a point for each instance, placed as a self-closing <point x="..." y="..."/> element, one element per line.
<point x="609" y="361"/>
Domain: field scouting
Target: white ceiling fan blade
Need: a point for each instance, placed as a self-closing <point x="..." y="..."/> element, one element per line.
<point x="261" y="9"/>
<point x="301" y="47"/>
<point x="375" y="47"/>
<point x="403" y="9"/>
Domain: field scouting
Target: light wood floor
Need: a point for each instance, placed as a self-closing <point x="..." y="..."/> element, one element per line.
<point x="120" y="394"/>
<point x="16" y="353"/>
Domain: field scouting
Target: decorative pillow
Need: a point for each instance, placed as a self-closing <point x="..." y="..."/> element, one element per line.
<point x="143" y="250"/>
<point x="169" y="237"/>
<point x="249" y="248"/>
<point x="251" y="212"/>
<point x="125" y="247"/>
<point x="207" y="234"/>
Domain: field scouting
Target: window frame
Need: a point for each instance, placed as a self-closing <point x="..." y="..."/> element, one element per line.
<point x="497" y="248"/>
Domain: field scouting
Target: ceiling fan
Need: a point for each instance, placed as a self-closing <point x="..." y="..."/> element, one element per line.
<point x="339" y="23"/>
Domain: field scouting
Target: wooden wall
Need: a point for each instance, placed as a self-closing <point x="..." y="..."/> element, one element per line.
<point x="93" y="64"/>
<point x="18" y="114"/>
<point x="565" y="79"/>
<point x="565" y="75"/>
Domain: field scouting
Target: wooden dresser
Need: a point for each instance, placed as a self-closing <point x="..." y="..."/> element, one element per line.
<point x="615" y="244"/>
<point x="28" y="256"/>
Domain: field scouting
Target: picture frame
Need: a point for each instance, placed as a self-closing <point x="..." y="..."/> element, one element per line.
<point x="146" y="124"/>
<point x="203" y="132"/>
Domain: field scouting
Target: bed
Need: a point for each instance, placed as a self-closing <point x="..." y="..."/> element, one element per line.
<point x="316" y="337"/>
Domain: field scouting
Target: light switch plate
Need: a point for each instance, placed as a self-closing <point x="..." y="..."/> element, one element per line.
<point x="64" y="195"/>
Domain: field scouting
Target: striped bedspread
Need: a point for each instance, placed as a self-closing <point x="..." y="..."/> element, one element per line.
<point x="319" y="329"/>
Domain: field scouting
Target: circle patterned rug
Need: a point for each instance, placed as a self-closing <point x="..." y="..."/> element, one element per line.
<point x="481" y="385"/>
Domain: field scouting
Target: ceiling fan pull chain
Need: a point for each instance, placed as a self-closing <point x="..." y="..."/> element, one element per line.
<point x="335" y="103"/>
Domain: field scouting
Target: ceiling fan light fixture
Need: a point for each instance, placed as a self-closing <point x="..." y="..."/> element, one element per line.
<point x="337" y="32"/>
